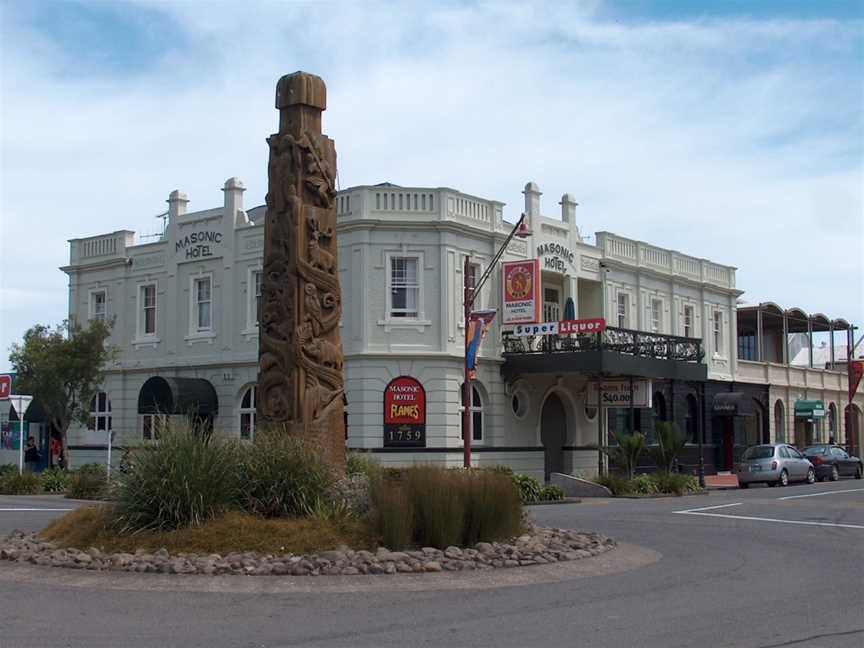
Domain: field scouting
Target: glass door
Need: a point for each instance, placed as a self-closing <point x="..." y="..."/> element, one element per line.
<point x="551" y="305"/>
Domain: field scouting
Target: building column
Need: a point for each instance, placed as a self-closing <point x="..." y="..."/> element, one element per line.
<point x="759" y="334"/>
<point x="810" y="340"/>
<point x="785" y="340"/>
<point x="831" y="333"/>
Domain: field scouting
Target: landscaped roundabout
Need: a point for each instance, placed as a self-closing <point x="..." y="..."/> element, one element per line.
<point x="193" y="505"/>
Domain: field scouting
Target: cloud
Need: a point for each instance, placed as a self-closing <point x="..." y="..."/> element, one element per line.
<point x="736" y="140"/>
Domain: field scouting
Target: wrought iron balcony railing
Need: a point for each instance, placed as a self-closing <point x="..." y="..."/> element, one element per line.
<point x="620" y="340"/>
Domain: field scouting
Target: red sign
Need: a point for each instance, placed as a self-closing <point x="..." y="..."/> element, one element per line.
<point x="521" y="282"/>
<point x="856" y="370"/>
<point x="566" y="327"/>
<point x="5" y="386"/>
<point x="404" y="413"/>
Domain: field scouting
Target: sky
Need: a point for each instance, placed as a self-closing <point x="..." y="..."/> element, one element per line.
<point x="730" y="130"/>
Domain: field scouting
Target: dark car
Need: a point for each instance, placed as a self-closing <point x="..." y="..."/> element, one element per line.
<point x="832" y="462"/>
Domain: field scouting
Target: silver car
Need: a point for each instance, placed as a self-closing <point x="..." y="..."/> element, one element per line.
<point x="773" y="464"/>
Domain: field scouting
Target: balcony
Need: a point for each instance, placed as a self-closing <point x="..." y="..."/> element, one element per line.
<point x="613" y="352"/>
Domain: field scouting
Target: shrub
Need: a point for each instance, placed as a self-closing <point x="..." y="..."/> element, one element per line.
<point x="55" y="480"/>
<point x="615" y="483"/>
<point x="627" y="450"/>
<point x="675" y="483"/>
<point x="530" y="490"/>
<point x="430" y="506"/>
<point x="352" y="492"/>
<point x="89" y="483"/>
<point x="644" y="485"/>
<point x="357" y="463"/>
<point x="552" y="493"/>
<point x="8" y="469"/>
<point x="182" y="481"/>
<point x="670" y="443"/>
<point x="23" y="484"/>
<point x="283" y="474"/>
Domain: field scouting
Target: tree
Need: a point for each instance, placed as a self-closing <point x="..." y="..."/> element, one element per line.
<point x="62" y="369"/>
<point x="627" y="451"/>
<point x="670" y="443"/>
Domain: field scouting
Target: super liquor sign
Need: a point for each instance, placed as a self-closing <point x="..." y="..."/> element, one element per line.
<point x="404" y="414"/>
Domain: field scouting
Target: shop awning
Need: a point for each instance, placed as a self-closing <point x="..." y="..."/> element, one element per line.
<point x="731" y="404"/>
<point x="194" y="396"/>
<point x="809" y="409"/>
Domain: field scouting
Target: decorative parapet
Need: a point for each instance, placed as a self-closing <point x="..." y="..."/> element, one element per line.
<point x="100" y="248"/>
<point x="643" y="255"/>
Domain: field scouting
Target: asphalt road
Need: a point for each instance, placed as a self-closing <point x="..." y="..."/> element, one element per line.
<point x="762" y="567"/>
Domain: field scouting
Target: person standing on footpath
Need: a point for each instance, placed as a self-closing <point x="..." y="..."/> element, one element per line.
<point x="31" y="455"/>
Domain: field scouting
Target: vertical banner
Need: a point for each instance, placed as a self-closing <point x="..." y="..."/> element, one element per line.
<point x="521" y="287"/>
<point x="478" y="323"/>
<point x="856" y="370"/>
<point x="404" y="414"/>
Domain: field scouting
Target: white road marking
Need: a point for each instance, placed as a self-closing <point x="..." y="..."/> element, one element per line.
<point x="710" y="508"/>
<point x="851" y="490"/>
<point x="17" y="510"/>
<point x="761" y="519"/>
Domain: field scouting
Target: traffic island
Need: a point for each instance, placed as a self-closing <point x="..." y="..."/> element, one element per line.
<point x="539" y="546"/>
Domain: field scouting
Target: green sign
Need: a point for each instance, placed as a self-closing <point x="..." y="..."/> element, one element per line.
<point x="809" y="409"/>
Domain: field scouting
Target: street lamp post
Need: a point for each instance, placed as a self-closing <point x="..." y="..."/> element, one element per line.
<point x="469" y="294"/>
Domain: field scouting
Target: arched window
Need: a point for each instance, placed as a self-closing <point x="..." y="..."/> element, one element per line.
<point x="658" y="412"/>
<point x="691" y="416"/>
<point x="832" y="422"/>
<point x="247" y="412"/>
<point x="476" y="413"/>
<point x="779" y="422"/>
<point x="100" y="412"/>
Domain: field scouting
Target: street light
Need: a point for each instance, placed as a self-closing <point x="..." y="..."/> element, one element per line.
<point x="520" y="230"/>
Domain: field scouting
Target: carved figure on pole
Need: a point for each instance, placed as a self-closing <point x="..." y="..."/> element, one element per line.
<point x="300" y="380"/>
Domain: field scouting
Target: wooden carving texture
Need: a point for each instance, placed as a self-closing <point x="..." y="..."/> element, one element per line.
<point x="300" y="380"/>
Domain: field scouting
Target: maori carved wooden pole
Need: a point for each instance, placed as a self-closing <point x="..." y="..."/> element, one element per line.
<point x="300" y="351"/>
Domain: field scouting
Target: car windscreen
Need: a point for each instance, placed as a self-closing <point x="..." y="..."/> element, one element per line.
<point x="816" y="450"/>
<point x="759" y="452"/>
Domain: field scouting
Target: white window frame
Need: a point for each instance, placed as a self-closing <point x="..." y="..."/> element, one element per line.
<point x="474" y="409"/>
<point x="91" y="305"/>
<point x="196" y="334"/>
<point x="415" y="287"/>
<point x="158" y="424"/>
<point x="625" y="316"/>
<point x="251" y="412"/>
<point x="389" y="322"/>
<point x="717" y="331"/>
<point x="477" y="270"/>
<point x="140" y="335"/>
<point x="656" y="315"/>
<point x="689" y="321"/>
<point x="96" y="414"/>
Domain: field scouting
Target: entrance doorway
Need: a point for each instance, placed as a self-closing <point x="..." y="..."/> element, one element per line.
<point x="553" y="434"/>
<point x="551" y="305"/>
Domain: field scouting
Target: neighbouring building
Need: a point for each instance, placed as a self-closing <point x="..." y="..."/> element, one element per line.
<point x="185" y="309"/>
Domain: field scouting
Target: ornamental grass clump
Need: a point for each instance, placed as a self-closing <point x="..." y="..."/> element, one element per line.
<point x="283" y="475"/>
<point x="23" y="484"/>
<point x="493" y="507"/>
<point x="184" y="480"/>
<point x="90" y="481"/>
<point x="55" y="480"/>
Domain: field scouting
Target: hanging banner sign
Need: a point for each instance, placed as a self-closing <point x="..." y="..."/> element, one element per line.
<point x="616" y="393"/>
<point x="564" y="327"/>
<point x="521" y="282"/>
<point x="404" y="414"/>
<point x="856" y="371"/>
<point x="6" y="385"/>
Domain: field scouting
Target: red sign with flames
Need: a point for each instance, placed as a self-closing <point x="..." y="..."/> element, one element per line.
<point x="404" y="413"/>
<point x="521" y="282"/>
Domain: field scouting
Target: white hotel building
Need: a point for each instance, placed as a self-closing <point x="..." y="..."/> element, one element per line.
<point x="184" y="307"/>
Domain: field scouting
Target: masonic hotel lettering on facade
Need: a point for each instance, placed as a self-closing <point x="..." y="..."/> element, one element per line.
<point x="185" y="310"/>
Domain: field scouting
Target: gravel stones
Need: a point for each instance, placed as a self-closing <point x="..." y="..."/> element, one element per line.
<point x="542" y="545"/>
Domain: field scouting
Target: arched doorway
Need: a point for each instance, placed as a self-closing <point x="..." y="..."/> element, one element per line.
<point x="553" y="434"/>
<point x="779" y="422"/>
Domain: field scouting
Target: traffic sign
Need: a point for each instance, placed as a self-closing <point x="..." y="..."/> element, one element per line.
<point x="5" y="386"/>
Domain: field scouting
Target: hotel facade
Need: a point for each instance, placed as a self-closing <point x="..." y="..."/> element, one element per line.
<point x="184" y="309"/>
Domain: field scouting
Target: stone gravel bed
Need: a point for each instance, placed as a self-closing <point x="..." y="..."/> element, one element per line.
<point x="542" y="545"/>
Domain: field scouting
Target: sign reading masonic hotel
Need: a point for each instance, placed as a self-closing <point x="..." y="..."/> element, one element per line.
<point x="198" y="244"/>
<point x="554" y="256"/>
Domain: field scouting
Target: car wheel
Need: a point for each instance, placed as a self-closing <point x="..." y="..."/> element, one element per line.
<point x="811" y="476"/>
<point x="744" y="485"/>
<point x="835" y="474"/>
<point x="784" y="478"/>
<point x="858" y="472"/>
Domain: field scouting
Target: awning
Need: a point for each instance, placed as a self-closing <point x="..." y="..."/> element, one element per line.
<point x="731" y="404"/>
<point x="809" y="409"/>
<point x="177" y="396"/>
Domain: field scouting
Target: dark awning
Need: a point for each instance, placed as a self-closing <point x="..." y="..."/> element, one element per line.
<point x="731" y="404"/>
<point x="177" y="396"/>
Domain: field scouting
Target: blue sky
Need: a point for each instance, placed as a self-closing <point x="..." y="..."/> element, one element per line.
<point x="727" y="130"/>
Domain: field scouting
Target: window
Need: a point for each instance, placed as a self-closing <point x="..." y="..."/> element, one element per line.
<point x="623" y="299"/>
<point x="718" y="331"/>
<point x="747" y="345"/>
<point x="476" y="413"/>
<point x="247" y="412"/>
<point x="473" y="277"/>
<point x="404" y="287"/>
<point x="152" y="426"/>
<point x="100" y="412"/>
<point x="257" y="280"/>
<point x="832" y="421"/>
<point x="202" y="294"/>
<point x="98" y="305"/>
<point x="779" y="422"/>
<point x="656" y="315"/>
<point x="688" y="321"/>
<point x="147" y="306"/>
<point x="551" y="305"/>
<point x="691" y="428"/>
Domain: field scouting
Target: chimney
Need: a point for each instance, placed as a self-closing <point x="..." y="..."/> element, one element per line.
<point x="176" y="204"/>
<point x="568" y="208"/>
<point x="234" y="201"/>
<point x="532" y="202"/>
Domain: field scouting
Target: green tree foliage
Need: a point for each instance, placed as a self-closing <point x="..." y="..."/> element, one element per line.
<point x="670" y="444"/>
<point x="627" y="450"/>
<point x="62" y="369"/>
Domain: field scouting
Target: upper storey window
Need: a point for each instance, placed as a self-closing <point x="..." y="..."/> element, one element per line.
<point x="147" y="309"/>
<point x="688" y="321"/>
<point x="98" y="305"/>
<point x="623" y="303"/>
<point x="203" y="305"/>
<point x="404" y="287"/>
